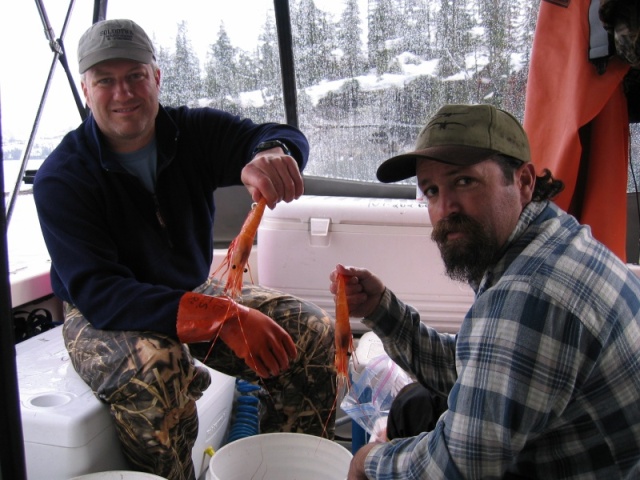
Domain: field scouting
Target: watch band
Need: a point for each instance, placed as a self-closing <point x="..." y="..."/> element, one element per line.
<point x="270" y="144"/>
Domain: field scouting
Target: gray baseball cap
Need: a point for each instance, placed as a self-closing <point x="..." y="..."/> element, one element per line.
<point x="112" y="39"/>
<point x="461" y="135"/>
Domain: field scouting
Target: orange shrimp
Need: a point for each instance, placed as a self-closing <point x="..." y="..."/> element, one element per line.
<point x="343" y="336"/>
<point x="236" y="262"/>
<point x="343" y="344"/>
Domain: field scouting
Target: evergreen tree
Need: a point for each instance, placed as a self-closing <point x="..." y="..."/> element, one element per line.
<point x="453" y="37"/>
<point x="496" y="18"/>
<point x="314" y="43"/>
<point x="419" y="28"/>
<point x="246" y="67"/>
<point x="182" y="79"/>
<point x="168" y="95"/>
<point x="383" y="39"/>
<point x="268" y="72"/>
<point x="268" y="61"/>
<point x="220" y="70"/>
<point x="349" y="40"/>
<point x="523" y="31"/>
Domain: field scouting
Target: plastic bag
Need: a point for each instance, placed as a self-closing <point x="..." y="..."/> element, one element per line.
<point x="369" y="399"/>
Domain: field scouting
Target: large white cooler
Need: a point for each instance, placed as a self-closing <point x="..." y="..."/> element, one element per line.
<point x="300" y="243"/>
<point x="69" y="432"/>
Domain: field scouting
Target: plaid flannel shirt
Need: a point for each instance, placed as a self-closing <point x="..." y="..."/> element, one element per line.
<point x="543" y="378"/>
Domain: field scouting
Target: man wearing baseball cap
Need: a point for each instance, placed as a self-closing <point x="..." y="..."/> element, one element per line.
<point x="543" y="378"/>
<point x="114" y="39"/>
<point x="126" y="206"/>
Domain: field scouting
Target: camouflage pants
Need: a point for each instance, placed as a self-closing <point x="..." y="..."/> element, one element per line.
<point x="150" y="381"/>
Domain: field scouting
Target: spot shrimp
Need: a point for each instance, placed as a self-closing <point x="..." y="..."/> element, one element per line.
<point x="236" y="262"/>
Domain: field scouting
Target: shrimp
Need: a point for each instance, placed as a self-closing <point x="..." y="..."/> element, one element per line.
<point x="343" y="343"/>
<point x="343" y="336"/>
<point x="236" y="262"/>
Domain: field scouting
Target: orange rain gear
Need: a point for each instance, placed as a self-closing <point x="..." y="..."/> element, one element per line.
<point x="566" y="99"/>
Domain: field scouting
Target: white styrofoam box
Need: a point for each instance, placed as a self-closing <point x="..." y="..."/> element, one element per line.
<point x="68" y="432"/>
<point x="214" y="414"/>
<point x="300" y="243"/>
<point x="369" y="347"/>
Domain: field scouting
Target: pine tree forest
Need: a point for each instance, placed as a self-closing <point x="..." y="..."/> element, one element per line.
<point x="364" y="96"/>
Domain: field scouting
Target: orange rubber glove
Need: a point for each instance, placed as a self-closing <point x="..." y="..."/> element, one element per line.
<point x="264" y="345"/>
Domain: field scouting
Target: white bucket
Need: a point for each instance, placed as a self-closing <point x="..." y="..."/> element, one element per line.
<point x="280" y="456"/>
<point x="118" y="475"/>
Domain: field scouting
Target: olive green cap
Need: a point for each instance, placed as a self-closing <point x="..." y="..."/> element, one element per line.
<point x="461" y="135"/>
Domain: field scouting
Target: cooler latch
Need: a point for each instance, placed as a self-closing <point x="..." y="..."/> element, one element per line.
<point x="319" y="231"/>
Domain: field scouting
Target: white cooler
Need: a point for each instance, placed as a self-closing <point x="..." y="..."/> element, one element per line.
<point x="69" y="432"/>
<point x="300" y="243"/>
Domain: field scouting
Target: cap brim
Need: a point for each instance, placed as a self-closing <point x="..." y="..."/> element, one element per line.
<point x="133" y="54"/>
<point x="403" y="166"/>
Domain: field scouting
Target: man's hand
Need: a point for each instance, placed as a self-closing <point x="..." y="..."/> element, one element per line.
<point x="364" y="290"/>
<point x="356" y="468"/>
<point x="273" y="175"/>
<point x="264" y="345"/>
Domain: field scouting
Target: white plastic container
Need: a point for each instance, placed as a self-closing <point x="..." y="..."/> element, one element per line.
<point x="119" y="475"/>
<point x="280" y="456"/>
<point x="300" y="243"/>
<point x="68" y="432"/>
<point x="369" y="347"/>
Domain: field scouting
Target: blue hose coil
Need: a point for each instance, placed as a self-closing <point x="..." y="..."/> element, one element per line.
<point x="246" y="418"/>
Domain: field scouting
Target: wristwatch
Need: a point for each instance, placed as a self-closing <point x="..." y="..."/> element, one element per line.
<point x="270" y="144"/>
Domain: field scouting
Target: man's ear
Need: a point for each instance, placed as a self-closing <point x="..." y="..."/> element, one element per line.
<point x="85" y="92"/>
<point x="526" y="181"/>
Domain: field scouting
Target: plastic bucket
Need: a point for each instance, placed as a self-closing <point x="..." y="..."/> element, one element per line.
<point x="119" y="475"/>
<point x="280" y="456"/>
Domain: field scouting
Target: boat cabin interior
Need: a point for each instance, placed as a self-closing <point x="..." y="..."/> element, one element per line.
<point x="359" y="78"/>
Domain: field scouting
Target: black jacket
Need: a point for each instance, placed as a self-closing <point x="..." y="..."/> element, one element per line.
<point x="125" y="256"/>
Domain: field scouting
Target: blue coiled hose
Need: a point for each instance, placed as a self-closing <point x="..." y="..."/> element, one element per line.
<point x="246" y="418"/>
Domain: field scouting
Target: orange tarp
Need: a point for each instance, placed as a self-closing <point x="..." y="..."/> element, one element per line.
<point x="564" y="94"/>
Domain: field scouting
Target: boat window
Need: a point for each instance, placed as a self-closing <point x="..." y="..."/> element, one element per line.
<point x="371" y="73"/>
<point x="368" y="72"/>
<point x="28" y="75"/>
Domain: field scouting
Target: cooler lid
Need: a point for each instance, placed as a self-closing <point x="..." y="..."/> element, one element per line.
<point x="57" y="407"/>
<point x="352" y="211"/>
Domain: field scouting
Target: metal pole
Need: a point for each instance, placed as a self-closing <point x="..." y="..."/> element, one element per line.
<point x="58" y="54"/>
<point x="12" y="462"/>
<point x="285" y="46"/>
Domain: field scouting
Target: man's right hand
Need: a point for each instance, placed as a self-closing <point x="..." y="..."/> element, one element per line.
<point x="356" y="467"/>
<point x="264" y="345"/>
<point x="364" y="290"/>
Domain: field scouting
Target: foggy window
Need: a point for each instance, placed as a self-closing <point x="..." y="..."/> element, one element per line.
<point x="370" y="73"/>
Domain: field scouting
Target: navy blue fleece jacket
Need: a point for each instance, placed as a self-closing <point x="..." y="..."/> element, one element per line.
<point x="123" y="255"/>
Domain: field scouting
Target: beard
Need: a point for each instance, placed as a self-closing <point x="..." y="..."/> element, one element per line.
<point x="467" y="258"/>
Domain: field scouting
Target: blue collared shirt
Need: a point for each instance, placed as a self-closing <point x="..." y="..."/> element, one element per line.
<point x="543" y="378"/>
